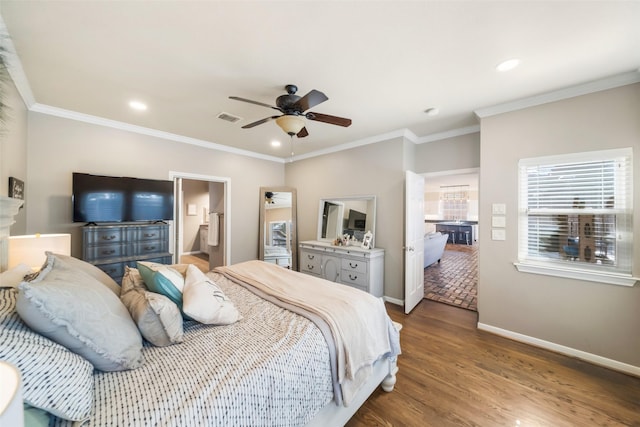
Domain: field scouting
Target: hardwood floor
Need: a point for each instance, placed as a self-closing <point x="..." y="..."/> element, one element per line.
<point x="452" y="374"/>
<point x="199" y="260"/>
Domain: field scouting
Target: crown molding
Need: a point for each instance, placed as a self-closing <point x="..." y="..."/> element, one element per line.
<point x="561" y="94"/>
<point x="448" y="134"/>
<point x="400" y="133"/>
<point x="87" y="118"/>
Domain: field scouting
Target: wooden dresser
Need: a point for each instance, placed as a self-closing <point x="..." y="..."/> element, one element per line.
<point x="112" y="247"/>
<point x="349" y="265"/>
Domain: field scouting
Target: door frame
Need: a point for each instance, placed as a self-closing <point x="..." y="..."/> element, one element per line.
<point x="178" y="237"/>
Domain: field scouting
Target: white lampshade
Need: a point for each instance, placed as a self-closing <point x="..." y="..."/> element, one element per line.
<point x="290" y="124"/>
<point x="30" y="249"/>
<point x="11" y="412"/>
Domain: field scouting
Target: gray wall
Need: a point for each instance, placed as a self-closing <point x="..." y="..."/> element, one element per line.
<point x="13" y="148"/>
<point x="375" y="169"/>
<point x="460" y="152"/>
<point x="596" y="318"/>
<point x="57" y="147"/>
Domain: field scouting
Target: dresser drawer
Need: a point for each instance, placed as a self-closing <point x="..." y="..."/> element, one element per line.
<point x="150" y="247"/>
<point x="310" y="262"/>
<point x="149" y="233"/>
<point x="115" y="270"/>
<point x="354" y="278"/>
<point x="359" y="266"/>
<point x="105" y="235"/>
<point x="101" y="252"/>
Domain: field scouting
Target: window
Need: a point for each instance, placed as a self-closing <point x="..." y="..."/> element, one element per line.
<point x="454" y="201"/>
<point x="575" y="216"/>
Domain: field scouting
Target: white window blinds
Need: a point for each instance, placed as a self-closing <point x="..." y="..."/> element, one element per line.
<point x="576" y="211"/>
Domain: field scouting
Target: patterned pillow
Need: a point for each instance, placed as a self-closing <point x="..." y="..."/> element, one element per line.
<point x="158" y="318"/>
<point x="205" y="302"/>
<point x="53" y="378"/>
<point x="75" y="310"/>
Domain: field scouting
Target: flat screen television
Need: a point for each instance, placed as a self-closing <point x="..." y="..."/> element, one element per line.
<point x="98" y="198"/>
<point x="357" y="220"/>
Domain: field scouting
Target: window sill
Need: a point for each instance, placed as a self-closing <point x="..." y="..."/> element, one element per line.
<point x="590" y="276"/>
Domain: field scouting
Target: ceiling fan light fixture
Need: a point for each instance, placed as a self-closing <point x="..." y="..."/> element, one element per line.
<point x="290" y="124"/>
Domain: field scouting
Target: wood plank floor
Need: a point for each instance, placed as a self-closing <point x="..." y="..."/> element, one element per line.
<point x="452" y="374"/>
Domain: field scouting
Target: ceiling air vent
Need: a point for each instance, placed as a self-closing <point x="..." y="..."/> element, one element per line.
<point x="229" y="117"/>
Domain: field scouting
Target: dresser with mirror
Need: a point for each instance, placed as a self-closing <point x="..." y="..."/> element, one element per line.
<point x="337" y="253"/>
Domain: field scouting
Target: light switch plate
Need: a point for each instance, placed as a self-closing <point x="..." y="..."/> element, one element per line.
<point x="498" y="221"/>
<point x="499" y="209"/>
<point x="498" y="234"/>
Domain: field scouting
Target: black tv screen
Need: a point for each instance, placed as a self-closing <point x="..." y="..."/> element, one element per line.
<point x="357" y="220"/>
<point x="98" y="198"/>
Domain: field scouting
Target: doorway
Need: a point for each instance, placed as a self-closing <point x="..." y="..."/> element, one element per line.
<point x="451" y="207"/>
<point x="202" y="220"/>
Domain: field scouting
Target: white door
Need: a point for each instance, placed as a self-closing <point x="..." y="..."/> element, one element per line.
<point x="413" y="241"/>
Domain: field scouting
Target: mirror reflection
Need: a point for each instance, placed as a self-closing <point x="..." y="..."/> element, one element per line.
<point x="353" y="216"/>
<point x="278" y="240"/>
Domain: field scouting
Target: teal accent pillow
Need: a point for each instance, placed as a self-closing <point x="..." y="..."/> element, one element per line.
<point x="167" y="280"/>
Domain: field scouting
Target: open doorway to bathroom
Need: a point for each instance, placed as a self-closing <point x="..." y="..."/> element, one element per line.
<point x="451" y="209"/>
<point x="202" y="229"/>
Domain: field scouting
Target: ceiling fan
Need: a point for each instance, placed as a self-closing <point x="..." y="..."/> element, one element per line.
<point x="293" y="108"/>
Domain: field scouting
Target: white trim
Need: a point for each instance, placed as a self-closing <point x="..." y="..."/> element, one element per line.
<point x="586" y="275"/>
<point x="558" y="95"/>
<point x="448" y="134"/>
<point x="14" y="67"/>
<point x="406" y="133"/>
<point x="395" y="301"/>
<point x="87" y="118"/>
<point x="582" y="355"/>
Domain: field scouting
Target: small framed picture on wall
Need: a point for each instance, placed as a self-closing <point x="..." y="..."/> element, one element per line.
<point x="16" y="188"/>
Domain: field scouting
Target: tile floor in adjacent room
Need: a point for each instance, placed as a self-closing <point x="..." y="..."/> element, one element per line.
<point x="454" y="280"/>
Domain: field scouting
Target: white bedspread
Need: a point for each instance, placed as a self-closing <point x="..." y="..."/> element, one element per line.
<point x="269" y="369"/>
<point x="361" y="329"/>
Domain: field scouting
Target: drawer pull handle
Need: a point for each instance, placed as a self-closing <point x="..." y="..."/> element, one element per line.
<point x="111" y="271"/>
<point x="113" y="236"/>
<point x="353" y="278"/>
<point x="353" y="265"/>
<point x="109" y="252"/>
<point x="150" y="235"/>
<point x="310" y="267"/>
<point x="311" y="256"/>
<point x="149" y="248"/>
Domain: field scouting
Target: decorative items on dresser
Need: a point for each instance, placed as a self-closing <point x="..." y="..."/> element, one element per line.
<point x="112" y="247"/>
<point x="350" y="265"/>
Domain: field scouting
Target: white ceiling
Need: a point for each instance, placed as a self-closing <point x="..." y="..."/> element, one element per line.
<point x="380" y="63"/>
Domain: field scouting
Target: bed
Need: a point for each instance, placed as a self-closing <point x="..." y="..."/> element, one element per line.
<point x="283" y="361"/>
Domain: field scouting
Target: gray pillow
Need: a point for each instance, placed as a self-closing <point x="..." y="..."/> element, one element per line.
<point x="75" y="310"/>
<point x="90" y="269"/>
<point x="158" y="318"/>
<point x="53" y="378"/>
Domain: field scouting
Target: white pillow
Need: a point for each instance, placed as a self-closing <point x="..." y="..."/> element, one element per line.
<point x="205" y="302"/>
<point x="12" y="278"/>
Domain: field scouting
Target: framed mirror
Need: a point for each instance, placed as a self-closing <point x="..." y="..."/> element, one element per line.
<point x="347" y="215"/>
<point x="278" y="237"/>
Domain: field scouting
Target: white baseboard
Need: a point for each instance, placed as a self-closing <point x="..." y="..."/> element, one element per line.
<point x="579" y="354"/>
<point x="394" y="300"/>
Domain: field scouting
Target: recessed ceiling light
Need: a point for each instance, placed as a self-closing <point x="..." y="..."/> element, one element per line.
<point x="432" y="111"/>
<point x="507" y="65"/>
<point x="137" y="105"/>
<point x="275" y="143"/>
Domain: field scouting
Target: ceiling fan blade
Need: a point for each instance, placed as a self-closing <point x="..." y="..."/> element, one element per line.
<point x="303" y="132"/>
<point x="310" y="100"/>
<point x="325" y="118"/>
<point x="237" y="98"/>
<point x="259" y="122"/>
